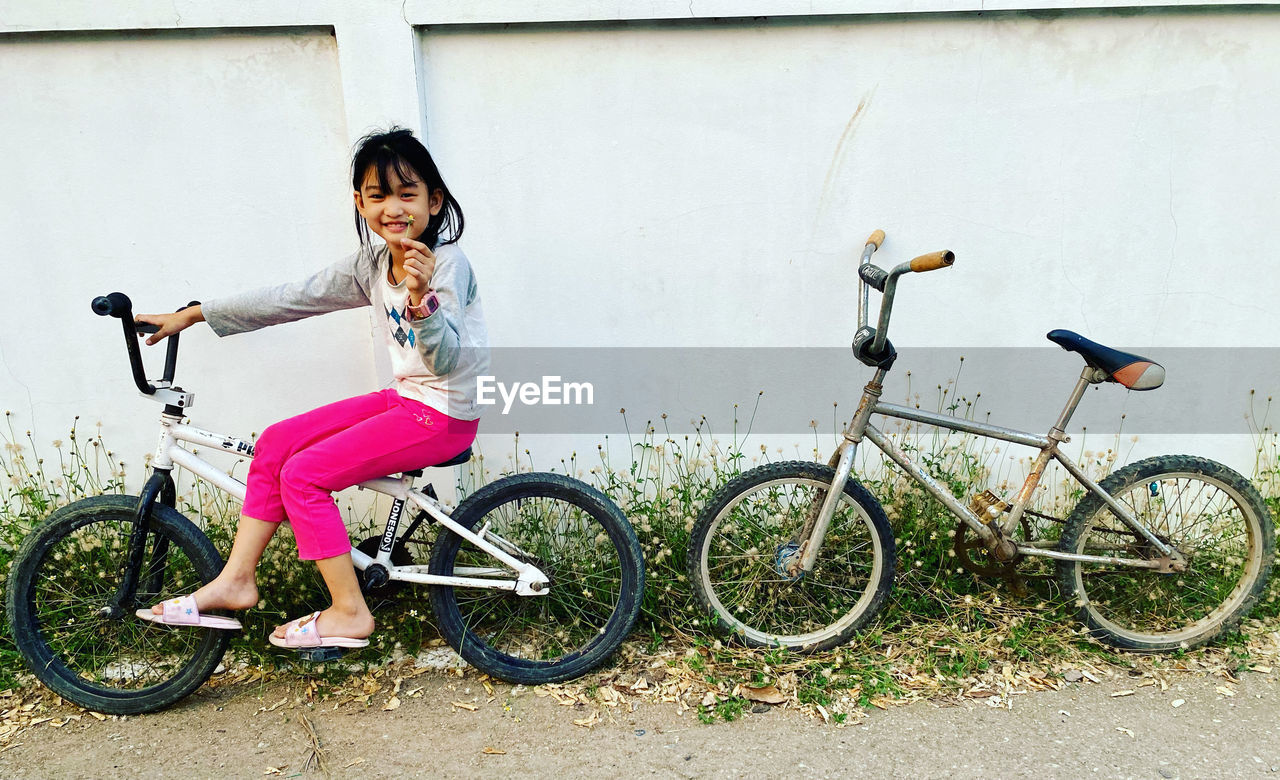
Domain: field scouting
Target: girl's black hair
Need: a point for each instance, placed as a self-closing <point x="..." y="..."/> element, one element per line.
<point x="396" y="150"/>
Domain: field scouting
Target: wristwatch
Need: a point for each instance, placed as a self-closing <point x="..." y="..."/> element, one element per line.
<point x="429" y="305"/>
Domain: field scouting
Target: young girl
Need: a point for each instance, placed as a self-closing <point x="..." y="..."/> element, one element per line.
<point x="424" y="295"/>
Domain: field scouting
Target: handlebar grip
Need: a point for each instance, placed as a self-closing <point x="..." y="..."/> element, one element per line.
<point x="876" y="238"/>
<point x="933" y="261"/>
<point x="117" y="304"/>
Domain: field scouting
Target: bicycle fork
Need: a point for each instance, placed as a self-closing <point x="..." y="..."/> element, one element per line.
<point x="159" y="487"/>
<point x="819" y="518"/>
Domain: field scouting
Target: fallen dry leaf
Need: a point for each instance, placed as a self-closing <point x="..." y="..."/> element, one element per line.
<point x="493" y="752"/>
<point x="767" y="694"/>
<point x="464" y="705"/>
<point x="391" y="704"/>
<point x="1122" y="693"/>
<point x="1124" y="730"/>
<point x="1225" y="691"/>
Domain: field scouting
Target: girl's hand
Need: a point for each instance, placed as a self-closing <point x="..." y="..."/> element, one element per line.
<point x="170" y="324"/>
<point x="419" y="265"/>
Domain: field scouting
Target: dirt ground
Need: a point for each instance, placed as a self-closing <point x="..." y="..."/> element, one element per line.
<point x="1083" y="730"/>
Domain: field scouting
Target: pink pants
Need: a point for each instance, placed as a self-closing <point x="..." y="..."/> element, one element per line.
<point x="300" y="461"/>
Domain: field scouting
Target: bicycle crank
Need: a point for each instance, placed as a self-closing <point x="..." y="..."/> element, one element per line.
<point x="974" y="556"/>
<point x="374" y="580"/>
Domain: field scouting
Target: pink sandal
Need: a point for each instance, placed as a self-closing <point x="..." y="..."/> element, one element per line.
<point x="182" y="611"/>
<point x="303" y="632"/>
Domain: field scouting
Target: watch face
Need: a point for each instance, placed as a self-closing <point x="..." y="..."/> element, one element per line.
<point x="432" y="303"/>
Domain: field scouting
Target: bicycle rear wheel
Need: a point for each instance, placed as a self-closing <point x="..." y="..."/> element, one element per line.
<point x="65" y="574"/>
<point x="1210" y="514"/>
<point x="745" y="537"/>
<point x="587" y="549"/>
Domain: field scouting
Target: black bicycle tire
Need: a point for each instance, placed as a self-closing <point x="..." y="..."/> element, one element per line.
<point x="48" y="667"/>
<point x="1142" y="471"/>
<point x="479" y="653"/>
<point x="724" y="497"/>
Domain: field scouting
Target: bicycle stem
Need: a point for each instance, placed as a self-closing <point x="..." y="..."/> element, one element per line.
<point x="864" y="297"/>
<point x="886" y="306"/>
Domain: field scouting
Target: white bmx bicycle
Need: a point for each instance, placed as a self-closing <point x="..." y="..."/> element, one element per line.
<point x="534" y="578"/>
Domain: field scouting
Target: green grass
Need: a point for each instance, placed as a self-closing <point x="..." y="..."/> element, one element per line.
<point x="941" y="622"/>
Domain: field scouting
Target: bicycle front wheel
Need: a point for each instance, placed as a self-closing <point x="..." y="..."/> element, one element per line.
<point x="747" y="535"/>
<point x="577" y="537"/>
<point x="59" y="593"/>
<point x="1212" y="516"/>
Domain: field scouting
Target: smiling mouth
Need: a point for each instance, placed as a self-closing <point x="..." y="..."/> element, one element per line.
<point x="396" y="226"/>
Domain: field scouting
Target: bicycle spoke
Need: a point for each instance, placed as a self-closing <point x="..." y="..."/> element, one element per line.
<point x="741" y="551"/>
<point x="1204" y="524"/>
<point x="572" y="549"/>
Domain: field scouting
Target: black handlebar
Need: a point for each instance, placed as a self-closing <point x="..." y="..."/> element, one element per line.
<point x="117" y="304"/>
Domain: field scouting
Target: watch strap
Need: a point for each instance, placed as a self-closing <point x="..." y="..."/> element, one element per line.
<point x="429" y="305"/>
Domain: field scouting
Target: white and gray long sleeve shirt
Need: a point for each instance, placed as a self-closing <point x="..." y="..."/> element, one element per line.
<point x="435" y="360"/>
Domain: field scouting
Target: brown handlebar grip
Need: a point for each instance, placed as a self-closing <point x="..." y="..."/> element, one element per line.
<point x="876" y="238"/>
<point x="933" y="261"/>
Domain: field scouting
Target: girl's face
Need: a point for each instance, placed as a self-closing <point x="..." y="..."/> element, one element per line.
<point x="387" y="213"/>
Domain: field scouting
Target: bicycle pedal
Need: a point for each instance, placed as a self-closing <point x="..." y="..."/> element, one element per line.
<point x="319" y="654"/>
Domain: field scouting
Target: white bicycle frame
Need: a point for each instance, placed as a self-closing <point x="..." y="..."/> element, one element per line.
<point x="529" y="579"/>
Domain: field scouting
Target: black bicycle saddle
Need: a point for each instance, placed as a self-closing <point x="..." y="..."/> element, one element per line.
<point x="1133" y="371"/>
<point x="456" y="460"/>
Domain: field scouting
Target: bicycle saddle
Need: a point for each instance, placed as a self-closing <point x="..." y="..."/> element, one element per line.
<point x="456" y="460"/>
<point x="1133" y="371"/>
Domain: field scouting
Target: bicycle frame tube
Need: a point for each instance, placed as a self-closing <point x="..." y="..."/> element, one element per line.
<point x="529" y="579"/>
<point x="1048" y="446"/>
<point x="1119" y="509"/>
<point x="861" y="428"/>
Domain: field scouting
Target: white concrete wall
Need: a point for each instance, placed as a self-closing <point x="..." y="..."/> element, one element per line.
<point x="662" y="181"/>
<point x="170" y="167"/>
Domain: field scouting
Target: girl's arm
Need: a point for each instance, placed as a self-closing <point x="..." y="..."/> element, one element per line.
<point x="337" y="287"/>
<point x="340" y="286"/>
<point x="440" y="337"/>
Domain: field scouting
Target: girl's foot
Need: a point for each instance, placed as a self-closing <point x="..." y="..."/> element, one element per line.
<point x="222" y="593"/>
<point x="356" y="624"/>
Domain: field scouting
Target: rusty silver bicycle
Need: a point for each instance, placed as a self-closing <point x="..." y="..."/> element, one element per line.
<point x="1165" y="553"/>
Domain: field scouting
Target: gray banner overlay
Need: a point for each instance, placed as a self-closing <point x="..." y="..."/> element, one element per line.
<point x="581" y="390"/>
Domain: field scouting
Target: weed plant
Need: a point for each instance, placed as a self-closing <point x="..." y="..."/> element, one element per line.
<point x="943" y="623"/>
